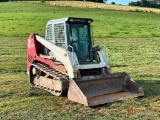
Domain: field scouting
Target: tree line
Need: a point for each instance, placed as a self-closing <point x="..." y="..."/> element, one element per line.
<point x="146" y="3"/>
<point x="141" y="3"/>
<point x="99" y="1"/>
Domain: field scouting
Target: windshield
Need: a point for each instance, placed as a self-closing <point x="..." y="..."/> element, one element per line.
<point x="80" y="40"/>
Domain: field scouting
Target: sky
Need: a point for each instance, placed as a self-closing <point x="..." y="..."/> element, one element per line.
<point x="123" y="2"/>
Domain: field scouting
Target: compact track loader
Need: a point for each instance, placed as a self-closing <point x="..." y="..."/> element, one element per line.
<point x="66" y="63"/>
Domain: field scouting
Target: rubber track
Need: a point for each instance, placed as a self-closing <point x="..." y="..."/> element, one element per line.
<point x="56" y="74"/>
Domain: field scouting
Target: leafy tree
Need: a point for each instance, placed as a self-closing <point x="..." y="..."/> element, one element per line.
<point x="146" y="3"/>
<point x="133" y="4"/>
<point x="4" y="0"/>
<point x="138" y="3"/>
<point x="113" y="3"/>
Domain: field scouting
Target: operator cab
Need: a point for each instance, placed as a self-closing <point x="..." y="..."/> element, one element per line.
<point x="79" y="37"/>
<point x="75" y="32"/>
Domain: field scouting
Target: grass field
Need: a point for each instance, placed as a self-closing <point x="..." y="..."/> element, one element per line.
<point x="102" y="6"/>
<point x="131" y="52"/>
<point x="19" y="19"/>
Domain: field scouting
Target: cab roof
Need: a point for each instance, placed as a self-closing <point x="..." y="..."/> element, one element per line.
<point x="73" y="20"/>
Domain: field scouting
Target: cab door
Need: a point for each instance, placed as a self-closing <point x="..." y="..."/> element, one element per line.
<point x="80" y="41"/>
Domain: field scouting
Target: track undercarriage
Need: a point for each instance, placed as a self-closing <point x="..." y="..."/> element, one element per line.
<point x="49" y="79"/>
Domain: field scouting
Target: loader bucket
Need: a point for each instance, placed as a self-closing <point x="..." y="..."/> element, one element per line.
<point x="101" y="89"/>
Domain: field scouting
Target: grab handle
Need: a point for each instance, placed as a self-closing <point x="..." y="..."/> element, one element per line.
<point x="72" y="53"/>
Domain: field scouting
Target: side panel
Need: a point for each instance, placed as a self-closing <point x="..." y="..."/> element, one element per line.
<point x="56" y="33"/>
<point x="31" y="51"/>
<point x="34" y="48"/>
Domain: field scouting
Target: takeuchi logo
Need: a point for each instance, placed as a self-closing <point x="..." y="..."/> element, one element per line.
<point x="30" y="44"/>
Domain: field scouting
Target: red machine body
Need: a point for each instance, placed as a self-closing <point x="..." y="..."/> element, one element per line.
<point x="34" y="49"/>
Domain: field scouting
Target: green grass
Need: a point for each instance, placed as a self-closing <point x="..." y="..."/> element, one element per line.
<point x="19" y="19"/>
<point x="137" y="56"/>
<point x="126" y="53"/>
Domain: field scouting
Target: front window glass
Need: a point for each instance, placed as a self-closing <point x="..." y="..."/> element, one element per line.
<point x="79" y="39"/>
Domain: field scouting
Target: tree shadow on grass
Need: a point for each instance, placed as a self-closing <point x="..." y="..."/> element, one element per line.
<point x="151" y="87"/>
<point x="118" y="65"/>
<point x="37" y="92"/>
<point x="151" y="90"/>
